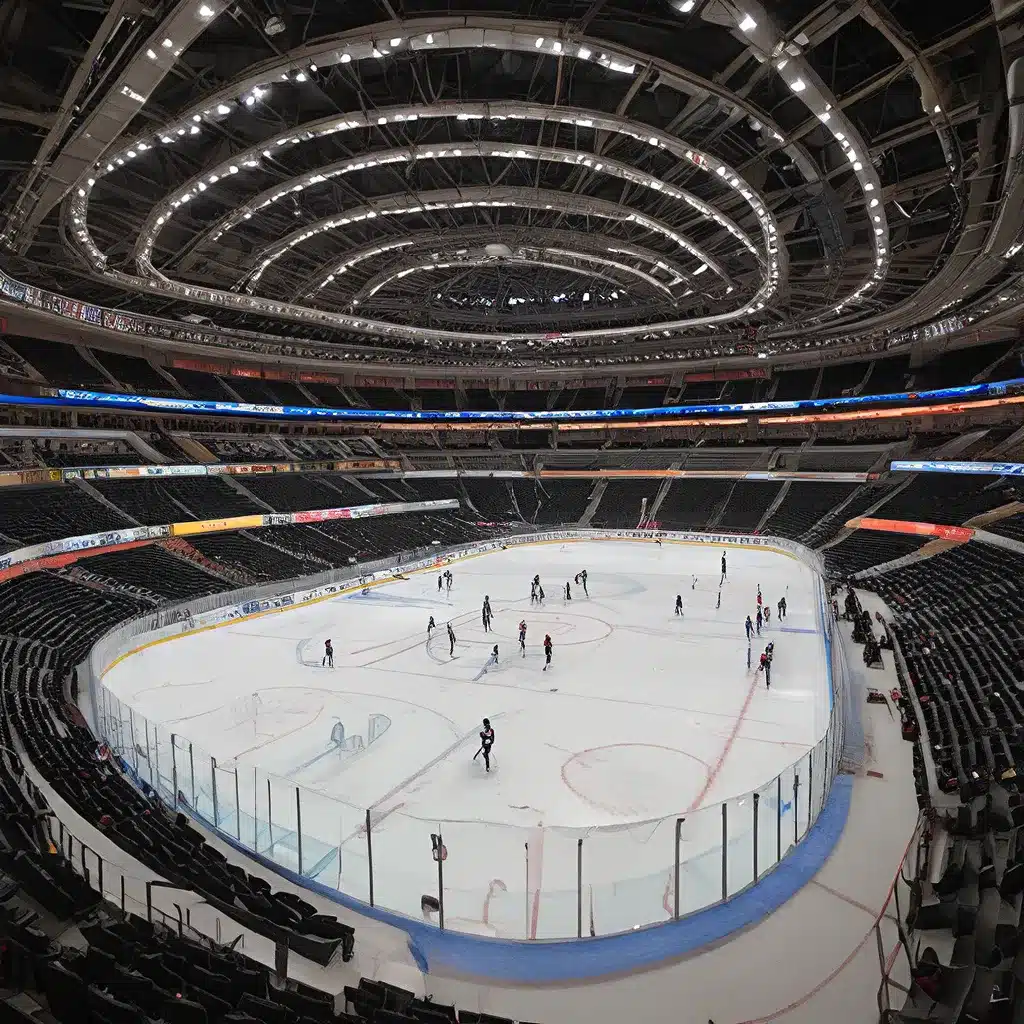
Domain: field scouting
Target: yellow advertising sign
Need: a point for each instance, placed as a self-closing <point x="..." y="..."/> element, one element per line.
<point x="215" y="525"/>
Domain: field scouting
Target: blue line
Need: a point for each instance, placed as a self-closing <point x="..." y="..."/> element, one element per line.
<point x="507" y="960"/>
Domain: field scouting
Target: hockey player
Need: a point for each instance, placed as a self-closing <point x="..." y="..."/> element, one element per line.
<point x="760" y="620"/>
<point x="328" y="658"/>
<point x="759" y="595"/>
<point x="782" y="608"/>
<point x="440" y="583"/>
<point x="765" y="666"/>
<point x="494" y="656"/>
<point x="522" y="637"/>
<point x="547" y="651"/>
<point x="679" y="605"/>
<point x="693" y="585"/>
<point x="568" y="592"/>
<point x="451" y="641"/>
<point x="484" y="617"/>
<point x="431" y="625"/>
<point x="487" y="610"/>
<point x="767" y="615"/>
<point x="540" y="594"/>
<point x="583" y="580"/>
<point x="533" y="591"/>
<point x="448" y="581"/>
<point x="749" y="626"/>
<point x="486" y="742"/>
<point x="723" y="569"/>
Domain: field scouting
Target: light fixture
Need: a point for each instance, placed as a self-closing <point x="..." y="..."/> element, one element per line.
<point x="206" y="11"/>
<point x="798" y="85"/>
<point x="151" y="54"/>
<point x="167" y="44"/>
<point x="346" y="58"/>
<point x="748" y="24"/>
<point x="223" y="109"/>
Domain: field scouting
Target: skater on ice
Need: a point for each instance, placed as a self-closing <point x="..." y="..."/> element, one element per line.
<point x="431" y="626"/>
<point x="583" y="580"/>
<point x="679" y="604"/>
<point x="760" y="620"/>
<point x="440" y="583"/>
<point x="765" y="666"/>
<point x="547" y="651"/>
<point x="451" y="641"/>
<point x="328" y="658"/>
<point x="487" y="610"/>
<point x="568" y="592"/>
<point x="723" y="569"/>
<point x="486" y="742"/>
<point x="759" y="595"/>
<point x="494" y="656"/>
<point x="522" y="637"/>
<point x="750" y="629"/>
<point x="533" y="591"/>
<point x="540" y="594"/>
<point x="767" y="614"/>
<point x="782" y="608"/>
<point x="693" y="585"/>
<point x="448" y="581"/>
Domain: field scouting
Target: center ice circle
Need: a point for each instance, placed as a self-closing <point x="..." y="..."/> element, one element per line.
<point x="630" y="779"/>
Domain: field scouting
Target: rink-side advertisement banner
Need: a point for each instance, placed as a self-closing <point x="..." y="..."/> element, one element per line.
<point x="959" y="534"/>
<point x="978" y="468"/>
<point x="226" y="469"/>
<point x="73" y="545"/>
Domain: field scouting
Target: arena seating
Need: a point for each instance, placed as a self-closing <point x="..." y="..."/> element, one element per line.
<point x="622" y="500"/>
<point x="956" y="619"/>
<point x="491" y="498"/>
<point x="795" y="384"/>
<point x="864" y="549"/>
<point x="152" y="569"/>
<point x="692" y="504"/>
<point x="840" y="378"/>
<point x="297" y="492"/>
<point x="136" y="374"/>
<point x="803" y="506"/>
<point x="31" y="515"/>
<point x="146" y="501"/>
<point x="210" y="497"/>
<point x="255" y="560"/>
<point x="562" y="501"/>
<point x="1012" y="527"/>
<point x="747" y="504"/>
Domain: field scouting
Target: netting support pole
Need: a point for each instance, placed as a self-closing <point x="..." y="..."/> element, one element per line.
<point x="796" y="805"/>
<point x="725" y="851"/>
<point x="298" y="823"/>
<point x="579" y="888"/>
<point x="213" y="789"/>
<point x="369" y="852"/>
<point x="149" y="755"/>
<point x="192" y="772"/>
<point x="174" y="770"/>
<point x="810" y="787"/>
<point x="238" y="808"/>
<point x="270" y="819"/>
<point x="757" y="801"/>
<point x="679" y="830"/>
<point x="526" y="888"/>
<point x="131" y="731"/>
<point x="440" y="881"/>
<point x="778" y="819"/>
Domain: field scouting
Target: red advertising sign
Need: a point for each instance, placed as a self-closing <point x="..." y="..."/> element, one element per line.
<point x="723" y="375"/>
<point x="959" y="534"/>
<point x="322" y="515"/>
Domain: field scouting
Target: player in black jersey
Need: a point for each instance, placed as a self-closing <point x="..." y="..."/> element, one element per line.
<point x="679" y="604"/>
<point x="451" y="641"/>
<point x="547" y="651"/>
<point x="522" y="637"/>
<point x="328" y="658"/>
<point x="486" y="742"/>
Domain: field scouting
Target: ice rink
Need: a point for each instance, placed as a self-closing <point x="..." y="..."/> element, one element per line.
<point x="642" y="717"/>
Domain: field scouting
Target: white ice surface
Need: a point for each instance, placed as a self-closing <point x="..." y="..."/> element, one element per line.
<point x="643" y="717"/>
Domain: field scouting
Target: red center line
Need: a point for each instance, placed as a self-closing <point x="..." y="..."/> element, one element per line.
<point x="726" y="747"/>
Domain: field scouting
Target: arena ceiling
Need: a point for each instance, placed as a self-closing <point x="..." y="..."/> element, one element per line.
<point x="494" y="176"/>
